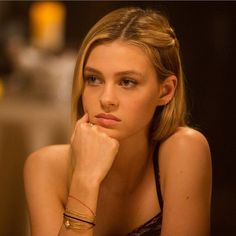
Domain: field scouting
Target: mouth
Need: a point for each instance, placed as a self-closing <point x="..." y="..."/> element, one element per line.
<point x="107" y="116"/>
<point x="107" y="120"/>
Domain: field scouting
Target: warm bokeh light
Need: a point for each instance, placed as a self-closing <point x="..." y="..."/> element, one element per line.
<point x="47" y="20"/>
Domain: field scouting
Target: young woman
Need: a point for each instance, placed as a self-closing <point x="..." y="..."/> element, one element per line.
<point x="133" y="166"/>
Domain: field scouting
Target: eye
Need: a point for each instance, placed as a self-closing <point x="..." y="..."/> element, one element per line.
<point x="92" y="80"/>
<point x="128" y="83"/>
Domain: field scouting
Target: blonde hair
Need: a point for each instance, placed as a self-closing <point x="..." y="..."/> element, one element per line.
<point x="152" y="32"/>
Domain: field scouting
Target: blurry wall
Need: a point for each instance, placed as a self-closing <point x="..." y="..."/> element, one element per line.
<point x="206" y="31"/>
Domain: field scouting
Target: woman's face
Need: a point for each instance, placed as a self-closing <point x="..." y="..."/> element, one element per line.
<point x="121" y="90"/>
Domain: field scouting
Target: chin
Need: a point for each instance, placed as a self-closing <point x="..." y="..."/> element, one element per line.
<point x="111" y="132"/>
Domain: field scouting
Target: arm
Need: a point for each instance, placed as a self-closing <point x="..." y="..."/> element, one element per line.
<point x="42" y="191"/>
<point x="94" y="153"/>
<point x="44" y="181"/>
<point x="86" y="192"/>
<point x="185" y="165"/>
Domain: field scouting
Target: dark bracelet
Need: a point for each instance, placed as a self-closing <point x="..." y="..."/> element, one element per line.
<point x="75" y="218"/>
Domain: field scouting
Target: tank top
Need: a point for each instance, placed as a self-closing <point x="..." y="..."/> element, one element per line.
<point x="153" y="226"/>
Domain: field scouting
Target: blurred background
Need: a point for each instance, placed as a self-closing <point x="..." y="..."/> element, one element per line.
<point x="38" y="47"/>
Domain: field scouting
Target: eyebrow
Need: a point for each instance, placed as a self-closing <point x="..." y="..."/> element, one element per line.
<point x="120" y="73"/>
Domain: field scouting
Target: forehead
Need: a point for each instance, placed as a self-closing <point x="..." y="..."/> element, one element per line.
<point x="120" y="55"/>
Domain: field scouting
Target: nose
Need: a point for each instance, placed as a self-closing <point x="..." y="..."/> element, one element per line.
<point x="108" y="99"/>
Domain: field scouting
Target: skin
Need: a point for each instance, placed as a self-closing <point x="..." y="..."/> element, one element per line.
<point x="114" y="89"/>
<point x="106" y="178"/>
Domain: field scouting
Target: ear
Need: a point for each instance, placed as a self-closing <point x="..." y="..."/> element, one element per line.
<point x="167" y="90"/>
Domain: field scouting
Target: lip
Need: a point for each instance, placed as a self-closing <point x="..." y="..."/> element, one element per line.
<point x="107" y="120"/>
<point x="107" y="117"/>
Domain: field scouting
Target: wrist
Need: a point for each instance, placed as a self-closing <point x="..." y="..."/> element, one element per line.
<point x="83" y="193"/>
<point x="86" y="182"/>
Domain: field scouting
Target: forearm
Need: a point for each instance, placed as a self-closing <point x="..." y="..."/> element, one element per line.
<point x="82" y="199"/>
<point x="93" y="152"/>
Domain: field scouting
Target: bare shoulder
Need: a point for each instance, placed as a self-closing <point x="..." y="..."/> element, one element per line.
<point x="49" y="153"/>
<point x="188" y="135"/>
<point x="45" y="178"/>
<point x="47" y="167"/>
<point x="186" y="155"/>
<point x="55" y="156"/>
<point x="186" y="179"/>
<point x="186" y="140"/>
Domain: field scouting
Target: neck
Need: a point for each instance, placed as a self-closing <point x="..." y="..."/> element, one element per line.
<point x="128" y="168"/>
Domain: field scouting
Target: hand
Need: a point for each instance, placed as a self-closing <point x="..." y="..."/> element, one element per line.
<point x="93" y="150"/>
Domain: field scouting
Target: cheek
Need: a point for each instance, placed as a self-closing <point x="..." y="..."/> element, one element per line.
<point x="143" y="108"/>
<point x="145" y="101"/>
<point x="87" y="100"/>
<point x="84" y="102"/>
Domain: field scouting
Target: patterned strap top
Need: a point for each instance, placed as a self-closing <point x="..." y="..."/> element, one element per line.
<point x="153" y="226"/>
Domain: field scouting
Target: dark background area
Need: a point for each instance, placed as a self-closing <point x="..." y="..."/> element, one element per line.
<point x="206" y="31"/>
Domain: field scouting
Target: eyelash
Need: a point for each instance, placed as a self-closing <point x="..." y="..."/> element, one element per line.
<point x="91" y="80"/>
<point x="130" y="81"/>
<point x="94" y="81"/>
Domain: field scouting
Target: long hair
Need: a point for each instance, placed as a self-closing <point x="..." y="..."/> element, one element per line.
<point x="151" y="31"/>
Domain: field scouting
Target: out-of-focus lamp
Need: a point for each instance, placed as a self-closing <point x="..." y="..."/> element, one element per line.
<point x="47" y="23"/>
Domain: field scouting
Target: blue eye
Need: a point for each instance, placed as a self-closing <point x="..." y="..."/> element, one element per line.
<point x="128" y="83"/>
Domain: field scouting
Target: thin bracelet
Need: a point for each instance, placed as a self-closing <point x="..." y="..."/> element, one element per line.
<point x="70" y="196"/>
<point x="70" y="224"/>
<point x="75" y="218"/>
<point x="79" y="215"/>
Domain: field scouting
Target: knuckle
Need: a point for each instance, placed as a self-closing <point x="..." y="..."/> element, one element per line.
<point x="94" y="127"/>
<point x="114" y="143"/>
<point x="83" y="125"/>
<point x="77" y="123"/>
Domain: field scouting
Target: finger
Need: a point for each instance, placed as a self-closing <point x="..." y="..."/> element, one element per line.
<point x="73" y="135"/>
<point x="98" y="129"/>
<point x="83" y="119"/>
